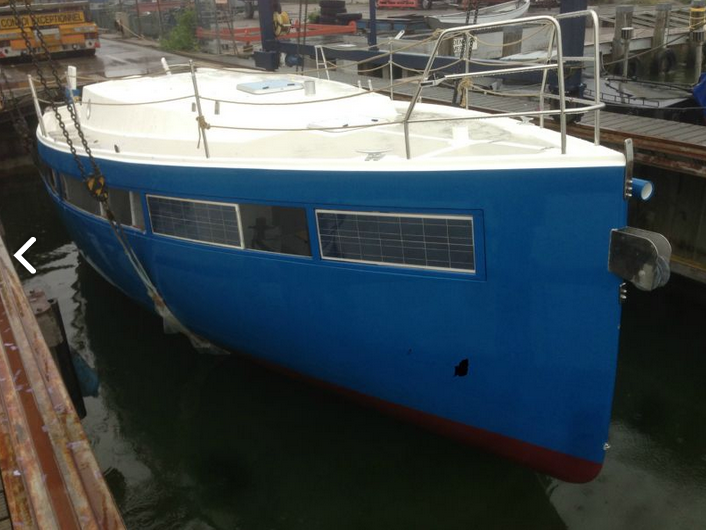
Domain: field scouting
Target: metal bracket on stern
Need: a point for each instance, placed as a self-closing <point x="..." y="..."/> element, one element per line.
<point x="640" y="256"/>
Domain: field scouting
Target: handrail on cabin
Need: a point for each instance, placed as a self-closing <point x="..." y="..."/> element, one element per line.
<point x="558" y="66"/>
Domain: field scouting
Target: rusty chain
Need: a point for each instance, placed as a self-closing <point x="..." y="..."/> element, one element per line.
<point x="95" y="181"/>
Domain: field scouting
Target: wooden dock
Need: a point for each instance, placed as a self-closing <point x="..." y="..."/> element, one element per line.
<point x="670" y="145"/>
<point x="50" y="477"/>
<point x="666" y="144"/>
<point x="645" y="16"/>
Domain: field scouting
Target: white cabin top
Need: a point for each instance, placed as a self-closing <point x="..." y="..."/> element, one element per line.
<point x="266" y="120"/>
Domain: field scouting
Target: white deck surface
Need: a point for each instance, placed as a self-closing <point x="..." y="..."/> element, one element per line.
<point x="154" y="120"/>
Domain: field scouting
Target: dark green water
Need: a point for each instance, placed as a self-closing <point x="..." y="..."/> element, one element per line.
<point x="191" y="441"/>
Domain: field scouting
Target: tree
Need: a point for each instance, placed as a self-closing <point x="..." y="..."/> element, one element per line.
<point x="183" y="36"/>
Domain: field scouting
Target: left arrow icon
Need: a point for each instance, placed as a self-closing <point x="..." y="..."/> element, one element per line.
<point x="22" y="250"/>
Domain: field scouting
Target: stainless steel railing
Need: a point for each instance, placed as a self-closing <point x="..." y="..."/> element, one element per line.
<point x="555" y="37"/>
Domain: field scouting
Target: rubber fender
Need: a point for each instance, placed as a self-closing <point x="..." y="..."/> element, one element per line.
<point x="634" y="67"/>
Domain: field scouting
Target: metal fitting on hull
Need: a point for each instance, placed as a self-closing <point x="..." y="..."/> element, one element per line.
<point x="640" y="256"/>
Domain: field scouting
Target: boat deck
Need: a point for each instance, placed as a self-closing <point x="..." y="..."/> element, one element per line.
<point x="663" y="143"/>
<point x="253" y="119"/>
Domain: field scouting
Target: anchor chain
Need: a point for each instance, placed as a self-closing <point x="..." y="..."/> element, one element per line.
<point x="94" y="181"/>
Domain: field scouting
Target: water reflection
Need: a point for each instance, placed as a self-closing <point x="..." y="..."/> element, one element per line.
<point x="234" y="445"/>
<point x="655" y="473"/>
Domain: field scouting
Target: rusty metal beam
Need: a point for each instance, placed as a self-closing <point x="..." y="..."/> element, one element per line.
<point x="51" y="477"/>
<point x="30" y="491"/>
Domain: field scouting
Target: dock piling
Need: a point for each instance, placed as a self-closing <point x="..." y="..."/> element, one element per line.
<point x="48" y="317"/>
<point x="626" y="36"/>
<point x="662" y="16"/>
<point x="696" y="36"/>
<point x="662" y="60"/>
<point x="623" y="19"/>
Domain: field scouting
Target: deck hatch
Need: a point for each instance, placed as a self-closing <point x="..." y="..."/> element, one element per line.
<point x="272" y="86"/>
<point x="410" y="240"/>
<point x="203" y="221"/>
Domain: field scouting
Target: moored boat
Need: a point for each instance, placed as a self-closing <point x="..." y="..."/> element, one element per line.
<point x="442" y="264"/>
<point x="491" y="13"/>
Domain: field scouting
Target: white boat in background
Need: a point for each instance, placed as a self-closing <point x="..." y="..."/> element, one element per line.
<point x="493" y="13"/>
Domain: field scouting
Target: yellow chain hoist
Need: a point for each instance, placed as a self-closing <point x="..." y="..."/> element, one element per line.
<point x="282" y="23"/>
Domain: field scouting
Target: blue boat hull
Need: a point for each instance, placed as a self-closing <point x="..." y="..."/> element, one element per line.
<point x="537" y="323"/>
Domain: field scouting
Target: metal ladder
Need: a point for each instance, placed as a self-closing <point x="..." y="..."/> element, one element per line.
<point x="323" y="64"/>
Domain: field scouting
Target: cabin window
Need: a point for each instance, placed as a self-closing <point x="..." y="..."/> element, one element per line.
<point x="126" y="207"/>
<point x="202" y="221"/>
<point x="138" y="216"/>
<point x="49" y="175"/>
<point x="275" y="229"/>
<point x="76" y="193"/>
<point x="423" y="241"/>
<point x="51" y="179"/>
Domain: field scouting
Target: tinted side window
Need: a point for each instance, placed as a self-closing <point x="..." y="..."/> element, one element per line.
<point x="48" y="175"/>
<point x="76" y="193"/>
<point x="127" y="207"/>
<point x="275" y="229"/>
<point x="119" y="202"/>
<point x="138" y="216"/>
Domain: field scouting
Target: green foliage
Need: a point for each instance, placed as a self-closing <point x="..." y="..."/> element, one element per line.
<point x="183" y="36"/>
<point x="314" y="16"/>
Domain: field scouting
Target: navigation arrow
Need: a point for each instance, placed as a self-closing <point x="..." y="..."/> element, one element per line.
<point x="22" y="250"/>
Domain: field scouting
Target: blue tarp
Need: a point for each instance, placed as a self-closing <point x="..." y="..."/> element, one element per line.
<point x="699" y="92"/>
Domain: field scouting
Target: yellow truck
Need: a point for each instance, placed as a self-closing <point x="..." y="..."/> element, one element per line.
<point x="66" y="27"/>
